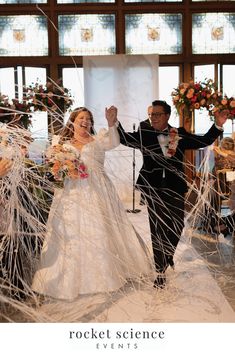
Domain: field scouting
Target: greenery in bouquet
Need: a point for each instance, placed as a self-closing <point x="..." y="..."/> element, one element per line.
<point x="201" y="95"/>
<point x="64" y="161"/>
<point x="50" y="97"/>
<point x="15" y="112"/>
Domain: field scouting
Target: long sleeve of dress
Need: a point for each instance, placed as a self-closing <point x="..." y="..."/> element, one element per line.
<point x="109" y="138"/>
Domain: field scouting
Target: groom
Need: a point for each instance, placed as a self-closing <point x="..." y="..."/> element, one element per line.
<point x="162" y="179"/>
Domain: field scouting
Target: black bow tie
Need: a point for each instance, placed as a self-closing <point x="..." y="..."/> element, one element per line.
<point x="161" y="132"/>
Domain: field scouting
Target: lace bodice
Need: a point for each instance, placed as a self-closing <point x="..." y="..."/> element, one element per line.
<point x="93" y="153"/>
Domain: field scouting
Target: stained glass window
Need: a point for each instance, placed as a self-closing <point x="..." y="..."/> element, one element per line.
<point x="87" y="34"/>
<point x="82" y="1"/>
<point x="153" y="33"/>
<point x="153" y="0"/>
<point x="213" y="33"/>
<point x="212" y="0"/>
<point x="23" y="1"/>
<point x="18" y="33"/>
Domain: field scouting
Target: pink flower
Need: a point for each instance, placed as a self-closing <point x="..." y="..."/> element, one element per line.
<point x="190" y="93"/>
<point x="84" y="175"/>
<point x="224" y="101"/>
<point x="232" y="104"/>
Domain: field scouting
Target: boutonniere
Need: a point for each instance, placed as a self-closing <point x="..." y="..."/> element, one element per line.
<point x="173" y="142"/>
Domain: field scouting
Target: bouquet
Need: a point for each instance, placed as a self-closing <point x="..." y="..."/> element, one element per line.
<point x="52" y="96"/>
<point x="64" y="162"/>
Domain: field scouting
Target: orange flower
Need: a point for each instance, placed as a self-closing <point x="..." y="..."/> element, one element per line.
<point x="190" y="93"/>
<point x="68" y="163"/>
<point x="73" y="174"/>
<point x="56" y="167"/>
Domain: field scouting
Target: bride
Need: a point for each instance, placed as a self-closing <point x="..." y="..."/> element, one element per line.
<point x="90" y="246"/>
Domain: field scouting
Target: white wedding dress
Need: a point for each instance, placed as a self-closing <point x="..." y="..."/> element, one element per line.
<point x="90" y="245"/>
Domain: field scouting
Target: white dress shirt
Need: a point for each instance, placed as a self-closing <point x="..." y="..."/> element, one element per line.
<point x="163" y="142"/>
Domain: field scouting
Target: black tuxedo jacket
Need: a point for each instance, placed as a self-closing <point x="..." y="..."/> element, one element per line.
<point x="155" y="164"/>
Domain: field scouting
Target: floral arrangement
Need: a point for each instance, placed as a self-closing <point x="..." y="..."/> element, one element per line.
<point x="64" y="162"/>
<point x="173" y="142"/>
<point x="15" y="112"/>
<point x="223" y="103"/>
<point x="52" y="96"/>
<point x="193" y="95"/>
<point x="198" y="95"/>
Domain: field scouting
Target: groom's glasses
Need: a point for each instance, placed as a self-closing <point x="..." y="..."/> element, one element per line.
<point x="156" y="115"/>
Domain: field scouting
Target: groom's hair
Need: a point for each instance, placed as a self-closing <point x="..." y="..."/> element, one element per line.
<point x="167" y="107"/>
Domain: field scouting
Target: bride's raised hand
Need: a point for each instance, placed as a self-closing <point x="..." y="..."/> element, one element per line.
<point x="111" y="115"/>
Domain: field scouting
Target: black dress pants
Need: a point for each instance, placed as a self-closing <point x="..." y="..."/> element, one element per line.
<point x="166" y="219"/>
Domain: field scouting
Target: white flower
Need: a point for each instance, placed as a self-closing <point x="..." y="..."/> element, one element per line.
<point x="71" y="149"/>
<point x="60" y="156"/>
<point x="173" y="142"/>
<point x="55" y="140"/>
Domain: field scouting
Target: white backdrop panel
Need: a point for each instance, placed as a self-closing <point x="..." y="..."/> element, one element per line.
<point x="129" y="82"/>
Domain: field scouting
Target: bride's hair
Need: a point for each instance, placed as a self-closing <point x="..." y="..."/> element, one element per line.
<point x="68" y="131"/>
